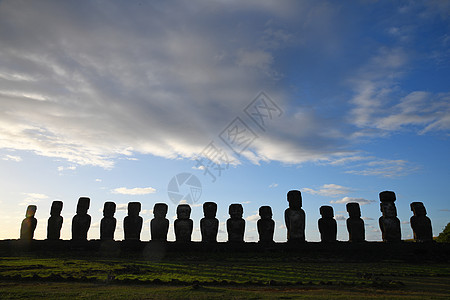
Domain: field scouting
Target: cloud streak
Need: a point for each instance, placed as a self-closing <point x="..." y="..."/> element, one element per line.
<point x="134" y="191"/>
<point x="332" y="190"/>
<point x="346" y="200"/>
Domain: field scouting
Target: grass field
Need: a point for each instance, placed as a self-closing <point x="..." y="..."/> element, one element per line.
<point x="241" y="276"/>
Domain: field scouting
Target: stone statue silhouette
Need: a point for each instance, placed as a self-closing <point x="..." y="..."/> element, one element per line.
<point x="420" y="223"/>
<point x="108" y="223"/>
<point x="55" y="221"/>
<point x="209" y="225"/>
<point x="389" y="223"/>
<point x="327" y="224"/>
<point x="266" y="226"/>
<point x="132" y="224"/>
<point x="28" y="224"/>
<point x="159" y="225"/>
<point x="183" y="224"/>
<point x="355" y="225"/>
<point x="294" y="217"/>
<point x="81" y="221"/>
<point x="236" y="224"/>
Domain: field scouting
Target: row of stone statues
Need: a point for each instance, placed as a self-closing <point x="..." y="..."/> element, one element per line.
<point x="295" y="219"/>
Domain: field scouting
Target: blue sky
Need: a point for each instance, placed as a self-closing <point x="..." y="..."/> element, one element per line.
<point x="111" y="100"/>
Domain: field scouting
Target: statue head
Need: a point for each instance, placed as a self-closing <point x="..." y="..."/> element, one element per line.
<point x="236" y="211"/>
<point x="56" y="208"/>
<point x="388" y="209"/>
<point x="418" y="209"/>
<point x="294" y="198"/>
<point x="31" y="211"/>
<point x="353" y="210"/>
<point x="83" y="205"/>
<point x="326" y="211"/>
<point x="265" y="212"/>
<point x="387" y="205"/>
<point x="134" y="208"/>
<point x="387" y="196"/>
<point x="160" y="210"/>
<point x="209" y="209"/>
<point x="109" y="209"/>
<point x="183" y="211"/>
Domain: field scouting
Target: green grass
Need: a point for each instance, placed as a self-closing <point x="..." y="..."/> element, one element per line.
<point x="240" y="276"/>
<point x="97" y="291"/>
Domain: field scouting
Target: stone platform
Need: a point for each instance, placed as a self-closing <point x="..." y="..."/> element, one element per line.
<point x="337" y="251"/>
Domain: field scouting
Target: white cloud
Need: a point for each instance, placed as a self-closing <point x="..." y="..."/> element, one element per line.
<point x="98" y="180"/>
<point x="62" y="168"/>
<point x="340" y="218"/>
<point x="90" y="87"/>
<point x="95" y="225"/>
<point x="345" y="200"/>
<point x="122" y="206"/>
<point x="332" y="190"/>
<point x="12" y="158"/>
<point x="134" y="191"/>
<point x="273" y="185"/>
<point x="36" y="196"/>
<point x="33" y="198"/>
<point x="384" y="168"/>
<point x="253" y="218"/>
<point x="377" y="109"/>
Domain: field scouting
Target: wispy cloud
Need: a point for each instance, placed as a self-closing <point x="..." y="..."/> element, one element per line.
<point x="12" y="158"/>
<point x="384" y="168"/>
<point x="63" y="88"/>
<point x="122" y="206"/>
<point x="332" y="190"/>
<point x="377" y="110"/>
<point x="273" y="185"/>
<point x="134" y="191"/>
<point x="253" y="218"/>
<point x="345" y="200"/>
<point x="33" y="198"/>
<point x="340" y="218"/>
<point x="62" y="168"/>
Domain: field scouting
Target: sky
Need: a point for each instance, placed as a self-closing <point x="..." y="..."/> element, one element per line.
<point x="224" y="101"/>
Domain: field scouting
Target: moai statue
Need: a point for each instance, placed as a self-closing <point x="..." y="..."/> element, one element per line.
<point x="28" y="224"/>
<point x="327" y="224"/>
<point x="389" y="223"/>
<point x="355" y="225"/>
<point x="266" y="225"/>
<point x="132" y="224"/>
<point x="420" y="223"/>
<point x="81" y="221"/>
<point x="236" y="224"/>
<point x="108" y="223"/>
<point x="295" y="218"/>
<point x="209" y="225"/>
<point x="159" y="226"/>
<point x="183" y="224"/>
<point x="55" y="221"/>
